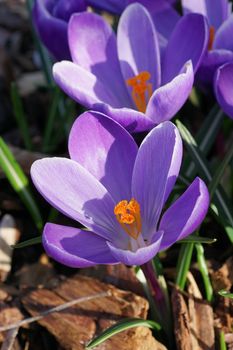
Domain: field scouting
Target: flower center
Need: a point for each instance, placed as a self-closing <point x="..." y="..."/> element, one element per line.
<point x="141" y="90"/>
<point x="211" y="38"/>
<point x="129" y="217"/>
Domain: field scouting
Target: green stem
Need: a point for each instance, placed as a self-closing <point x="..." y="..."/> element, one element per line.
<point x="51" y="119"/>
<point x="160" y="300"/>
<point x="221" y="206"/>
<point x="19" y="182"/>
<point x="220" y="171"/>
<point x="206" y="136"/>
<point x="184" y="261"/>
<point x="53" y="214"/>
<point x="46" y="63"/>
<point x="222" y="342"/>
<point x="20" y="116"/>
<point x="204" y="271"/>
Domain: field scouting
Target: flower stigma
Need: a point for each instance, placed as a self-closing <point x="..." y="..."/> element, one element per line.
<point x="141" y="90"/>
<point x="211" y="38"/>
<point x="129" y="217"/>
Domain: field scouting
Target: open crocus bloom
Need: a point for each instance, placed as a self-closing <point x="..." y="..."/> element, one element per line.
<point x="117" y="191"/>
<point x="51" y="21"/>
<point x="220" y="47"/>
<point x="223" y="85"/>
<point x="124" y="79"/>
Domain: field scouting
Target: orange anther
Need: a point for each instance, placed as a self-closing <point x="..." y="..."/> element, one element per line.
<point x="144" y="76"/>
<point x="141" y="90"/>
<point x="132" y="81"/>
<point x="128" y="216"/>
<point x="134" y="206"/>
<point x="211" y="38"/>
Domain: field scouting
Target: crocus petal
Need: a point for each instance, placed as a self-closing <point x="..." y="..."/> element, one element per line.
<point x="74" y="247"/>
<point x="223" y="37"/>
<point x="167" y="100"/>
<point x="186" y="214"/>
<point x="188" y="42"/>
<point x="213" y="60"/>
<point x="106" y="150"/>
<point x="81" y="85"/>
<point x="130" y="119"/>
<point x="155" y="171"/>
<point x="93" y="46"/>
<point x="165" y="20"/>
<point x="154" y="6"/>
<point x="48" y="28"/>
<point x="117" y="6"/>
<point x="141" y="256"/>
<point x="224" y="88"/>
<point x="64" y="9"/>
<point x="114" y="6"/>
<point x="132" y="45"/>
<point x="70" y="188"/>
<point x="216" y="11"/>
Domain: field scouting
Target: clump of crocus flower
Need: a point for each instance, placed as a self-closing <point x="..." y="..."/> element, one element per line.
<point x="124" y="77"/>
<point x="117" y="192"/>
<point x="220" y="48"/>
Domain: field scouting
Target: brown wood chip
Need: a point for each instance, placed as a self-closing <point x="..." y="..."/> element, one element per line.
<point x="8" y="315"/>
<point x="181" y="321"/>
<point x="194" y="322"/>
<point x="119" y="275"/>
<point x="75" y="326"/>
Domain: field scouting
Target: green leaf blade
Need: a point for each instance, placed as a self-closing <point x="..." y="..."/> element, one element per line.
<point x="120" y="327"/>
<point x="28" y="243"/>
<point x="183" y="265"/>
<point x="197" y="239"/>
<point x="19" y="182"/>
<point x="224" y="208"/>
<point x="226" y="294"/>
<point x="20" y="116"/>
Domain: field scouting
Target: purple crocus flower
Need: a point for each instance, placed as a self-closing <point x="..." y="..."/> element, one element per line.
<point x="223" y="85"/>
<point x="162" y="12"/>
<point x="118" y="6"/>
<point x="125" y="78"/>
<point x="117" y="191"/>
<point x="51" y="21"/>
<point x="220" y="48"/>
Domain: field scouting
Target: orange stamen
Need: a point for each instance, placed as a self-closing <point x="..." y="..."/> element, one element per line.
<point x="129" y="217"/>
<point x="211" y="38"/>
<point x="141" y="90"/>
